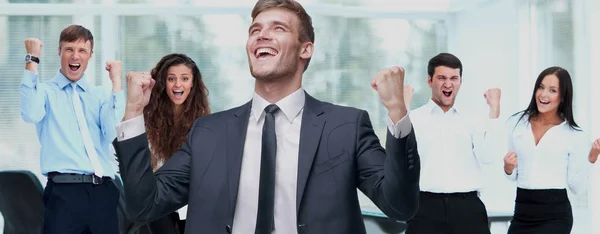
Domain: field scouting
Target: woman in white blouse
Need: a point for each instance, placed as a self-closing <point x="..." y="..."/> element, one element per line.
<point x="178" y="98"/>
<point x="547" y="152"/>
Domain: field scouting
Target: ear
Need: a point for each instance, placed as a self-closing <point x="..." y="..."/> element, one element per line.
<point x="306" y="50"/>
<point x="59" y="49"/>
<point x="429" y="81"/>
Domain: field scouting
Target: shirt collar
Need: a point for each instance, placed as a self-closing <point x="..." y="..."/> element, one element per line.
<point x="63" y="81"/>
<point x="290" y="105"/>
<point x="435" y="109"/>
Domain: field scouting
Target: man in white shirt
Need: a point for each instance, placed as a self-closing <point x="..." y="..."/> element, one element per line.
<point x="452" y="145"/>
<point x="283" y="163"/>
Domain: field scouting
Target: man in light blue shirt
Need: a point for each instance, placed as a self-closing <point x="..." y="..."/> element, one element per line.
<point x="75" y="124"/>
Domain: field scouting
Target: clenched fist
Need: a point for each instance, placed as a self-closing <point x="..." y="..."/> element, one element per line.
<point x="595" y="151"/>
<point x="492" y="96"/>
<point x="389" y="83"/>
<point x="139" y="87"/>
<point x="115" y="72"/>
<point x="115" y="69"/>
<point x="33" y="46"/>
<point x="510" y="162"/>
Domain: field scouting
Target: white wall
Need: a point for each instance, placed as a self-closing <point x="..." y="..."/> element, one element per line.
<point x="486" y="40"/>
<point x="594" y="26"/>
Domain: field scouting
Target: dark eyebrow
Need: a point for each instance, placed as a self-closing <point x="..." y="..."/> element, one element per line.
<point x="254" y="25"/>
<point x="275" y="22"/>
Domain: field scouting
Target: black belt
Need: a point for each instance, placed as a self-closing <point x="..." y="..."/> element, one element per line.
<point x="465" y="194"/>
<point x="61" y="178"/>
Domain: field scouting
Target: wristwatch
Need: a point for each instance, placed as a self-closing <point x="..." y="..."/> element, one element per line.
<point x="30" y="58"/>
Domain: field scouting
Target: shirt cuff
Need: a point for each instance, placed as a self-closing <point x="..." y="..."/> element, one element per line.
<point x="29" y="78"/>
<point x="512" y="176"/>
<point x="130" y="128"/>
<point x="402" y="128"/>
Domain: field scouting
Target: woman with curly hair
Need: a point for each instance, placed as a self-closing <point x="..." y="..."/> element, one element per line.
<point x="178" y="98"/>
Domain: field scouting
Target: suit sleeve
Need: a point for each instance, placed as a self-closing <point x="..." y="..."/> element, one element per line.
<point x="149" y="195"/>
<point x="390" y="178"/>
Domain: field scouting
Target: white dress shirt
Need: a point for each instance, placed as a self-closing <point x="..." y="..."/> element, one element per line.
<point x="452" y="145"/>
<point x="287" y="128"/>
<point x="560" y="158"/>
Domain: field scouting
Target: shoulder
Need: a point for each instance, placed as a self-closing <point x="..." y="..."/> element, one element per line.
<point x="342" y="112"/>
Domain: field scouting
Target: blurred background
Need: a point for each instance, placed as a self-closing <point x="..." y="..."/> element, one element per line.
<point x="502" y="43"/>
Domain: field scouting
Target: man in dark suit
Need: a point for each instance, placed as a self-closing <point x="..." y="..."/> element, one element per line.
<point x="282" y="163"/>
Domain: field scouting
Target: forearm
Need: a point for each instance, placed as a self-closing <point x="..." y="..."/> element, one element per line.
<point x="139" y="181"/>
<point x="110" y="115"/>
<point x="484" y="141"/>
<point x="117" y="85"/>
<point x="32" y="98"/>
<point x="401" y="170"/>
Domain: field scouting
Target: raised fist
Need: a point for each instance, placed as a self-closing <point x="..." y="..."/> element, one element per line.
<point x="115" y="70"/>
<point x="389" y="83"/>
<point x="33" y="46"/>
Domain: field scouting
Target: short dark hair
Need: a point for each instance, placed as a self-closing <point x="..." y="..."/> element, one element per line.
<point x="307" y="32"/>
<point x="444" y="59"/>
<point x="75" y="33"/>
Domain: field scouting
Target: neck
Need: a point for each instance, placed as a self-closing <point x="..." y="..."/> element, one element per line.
<point x="177" y="110"/>
<point x="277" y="89"/>
<point x="548" y="118"/>
<point x="443" y="107"/>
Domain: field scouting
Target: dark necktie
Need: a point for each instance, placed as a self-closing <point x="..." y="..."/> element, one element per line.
<point x="266" y="190"/>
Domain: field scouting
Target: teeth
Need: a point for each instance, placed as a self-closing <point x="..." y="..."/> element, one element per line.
<point x="178" y="91"/>
<point x="75" y="64"/>
<point x="265" y="50"/>
<point x="544" y="102"/>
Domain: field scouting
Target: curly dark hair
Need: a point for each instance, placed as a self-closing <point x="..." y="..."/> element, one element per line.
<point x="165" y="133"/>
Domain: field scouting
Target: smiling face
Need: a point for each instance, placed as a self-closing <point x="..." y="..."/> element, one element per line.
<point x="273" y="47"/>
<point x="180" y="81"/>
<point x="444" y="85"/>
<point x="74" y="58"/>
<point x="547" y="94"/>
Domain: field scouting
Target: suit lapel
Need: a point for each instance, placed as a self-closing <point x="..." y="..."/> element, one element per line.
<point x="237" y="125"/>
<point x="310" y="136"/>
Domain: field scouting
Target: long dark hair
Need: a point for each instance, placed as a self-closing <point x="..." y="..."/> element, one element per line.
<point x="165" y="133"/>
<point x="565" y="108"/>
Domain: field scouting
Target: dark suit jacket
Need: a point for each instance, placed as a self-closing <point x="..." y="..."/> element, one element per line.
<point x="339" y="152"/>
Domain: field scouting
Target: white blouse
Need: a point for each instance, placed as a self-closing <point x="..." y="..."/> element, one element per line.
<point x="557" y="161"/>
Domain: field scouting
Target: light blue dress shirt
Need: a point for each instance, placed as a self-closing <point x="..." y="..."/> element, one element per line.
<point x="49" y="106"/>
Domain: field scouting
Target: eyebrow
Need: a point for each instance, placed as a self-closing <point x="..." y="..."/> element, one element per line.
<point x="181" y="73"/>
<point x="275" y="22"/>
<point x="72" y="47"/>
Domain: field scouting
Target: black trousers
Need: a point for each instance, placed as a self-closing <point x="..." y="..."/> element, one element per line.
<point x="80" y="208"/>
<point x="451" y="213"/>
<point x="544" y="211"/>
<point x="169" y="224"/>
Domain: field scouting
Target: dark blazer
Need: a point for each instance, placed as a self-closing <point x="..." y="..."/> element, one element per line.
<point x="339" y="152"/>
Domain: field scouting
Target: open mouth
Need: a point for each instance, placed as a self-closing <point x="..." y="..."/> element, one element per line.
<point x="178" y="93"/>
<point x="447" y="93"/>
<point x="544" y="103"/>
<point x="74" y="66"/>
<point x="263" y="53"/>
